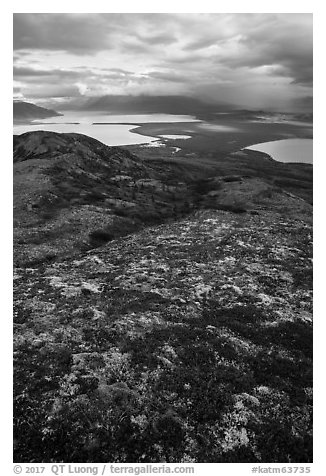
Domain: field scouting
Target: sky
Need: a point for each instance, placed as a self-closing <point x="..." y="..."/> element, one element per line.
<point x="253" y="60"/>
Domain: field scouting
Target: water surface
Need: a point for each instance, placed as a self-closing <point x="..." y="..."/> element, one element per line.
<point x="89" y="117"/>
<point x="109" y="129"/>
<point x="109" y="134"/>
<point x="287" y="150"/>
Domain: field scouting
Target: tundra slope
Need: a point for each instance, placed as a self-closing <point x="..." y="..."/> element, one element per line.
<point x="71" y="192"/>
<point x="187" y="341"/>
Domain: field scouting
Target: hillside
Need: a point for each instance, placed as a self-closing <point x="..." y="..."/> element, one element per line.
<point x="25" y="111"/>
<point x="72" y="192"/>
<point x="160" y="315"/>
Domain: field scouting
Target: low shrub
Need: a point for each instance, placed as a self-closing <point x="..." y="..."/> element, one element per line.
<point x="232" y="178"/>
<point x="100" y="237"/>
<point x="230" y="208"/>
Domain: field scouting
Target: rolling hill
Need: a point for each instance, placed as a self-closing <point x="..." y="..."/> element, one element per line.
<point x="25" y="111"/>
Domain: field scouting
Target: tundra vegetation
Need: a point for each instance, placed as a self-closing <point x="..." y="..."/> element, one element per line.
<point x="163" y="308"/>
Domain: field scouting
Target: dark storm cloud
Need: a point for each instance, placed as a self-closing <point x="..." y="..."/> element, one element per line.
<point x="67" y="32"/>
<point x="84" y="33"/>
<point x="305" y="103"/>
<point x="25" y="71"/>
<point x="159" y="39"/>
<point x="30" y="72"/>
<point x="74" y="74"/>
<point x="167" y="76"/>
<point x="282" y="40"/>
<point x="53" y="90"/>
<point x="200" y="44"/>
<point x="135" y="46"/>
<point x="227" y="56"/>
<point x="285" y="41"/>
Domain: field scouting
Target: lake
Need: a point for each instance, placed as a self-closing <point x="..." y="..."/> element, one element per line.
<point x="89" y="117"/>
<point x="109" y="129"/>
<point x="287" y="150"/>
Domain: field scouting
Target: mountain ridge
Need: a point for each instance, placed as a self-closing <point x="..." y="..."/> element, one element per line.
<point x="152" y="104"/>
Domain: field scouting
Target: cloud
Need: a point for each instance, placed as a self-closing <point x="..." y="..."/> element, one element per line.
<point x="87" y="33"/>
<point x="24" y="71"/>
<point x="304" y="103"/>
<point x="17" y="94"/>
<point x="164" y="38"/>
<point x="237" y="57"/>
<point x="168" y="76"/>
<point x="284" y="41"/>
<point x="52" y="90"/>
<point x="117" y="70"/>
<point x="67" y="32"/>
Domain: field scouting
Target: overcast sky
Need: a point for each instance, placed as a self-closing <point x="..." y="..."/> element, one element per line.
<point x="251" y="60"/>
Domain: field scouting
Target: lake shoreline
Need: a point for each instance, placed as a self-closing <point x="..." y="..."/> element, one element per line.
<point x="285" y="150"/>
<point x="206" y="135"/>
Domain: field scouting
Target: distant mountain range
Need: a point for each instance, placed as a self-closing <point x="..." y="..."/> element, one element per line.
<point x="151" y="104"/>
<point x="27" y="111"/>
